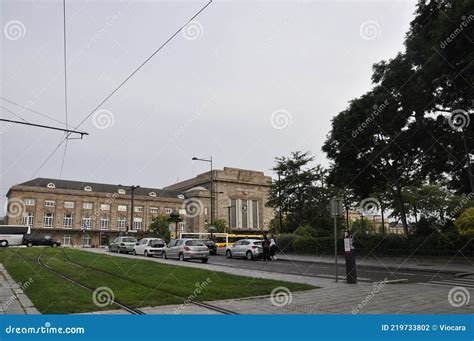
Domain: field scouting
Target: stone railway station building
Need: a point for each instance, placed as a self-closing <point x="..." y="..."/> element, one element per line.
<point x="81" y="213"/>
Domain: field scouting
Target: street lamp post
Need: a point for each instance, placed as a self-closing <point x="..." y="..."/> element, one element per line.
<point x="132" y="204"/>
<point x="211" y="185"/>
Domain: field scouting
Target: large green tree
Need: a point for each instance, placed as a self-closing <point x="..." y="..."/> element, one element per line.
<point x="301" y="192"/>
<point x="397" y="136"/>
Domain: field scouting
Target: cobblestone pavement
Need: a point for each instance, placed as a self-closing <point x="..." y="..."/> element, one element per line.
<point x="12" y="298"/>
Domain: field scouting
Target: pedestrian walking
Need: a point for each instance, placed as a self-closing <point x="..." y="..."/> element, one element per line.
<point x="272" y="249"/>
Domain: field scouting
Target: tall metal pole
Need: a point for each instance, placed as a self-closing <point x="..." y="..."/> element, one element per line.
<point x="468" y="156"/>
<point x="279" y="202"/>
<point x="132" y="208"/>
<point x="212" y="195"/>
<point x="335" y="246"/>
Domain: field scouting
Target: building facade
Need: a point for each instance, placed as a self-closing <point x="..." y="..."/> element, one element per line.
<point x="91" y="214"/>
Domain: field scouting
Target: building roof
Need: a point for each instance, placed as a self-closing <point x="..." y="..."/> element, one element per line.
<point x="96" y="187"/>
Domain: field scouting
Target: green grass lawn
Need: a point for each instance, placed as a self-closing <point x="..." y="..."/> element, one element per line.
<point x="154" y="283"/>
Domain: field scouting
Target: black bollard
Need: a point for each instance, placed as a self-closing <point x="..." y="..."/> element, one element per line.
<point x="351" y="271"/>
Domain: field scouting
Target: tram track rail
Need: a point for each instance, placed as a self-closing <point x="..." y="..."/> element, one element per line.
<point x="184" y="299"/>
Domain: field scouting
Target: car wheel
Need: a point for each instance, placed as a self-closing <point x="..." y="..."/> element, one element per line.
<point x="204" y="260"/>
<point x="228" y="254"/>
<point x="4" y="243"/>
<point x="30" y="244"/>
<point x="146" y="254"/>
<point x="54" y="245"/>
<point x="163" y="254"/>
<point x="181" y="257"/>
<point x="249" y="255"/>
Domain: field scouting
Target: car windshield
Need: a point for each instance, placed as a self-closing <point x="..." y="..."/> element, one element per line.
<point x="195" y="243"/>
<point x="258" y="243"/>
<point x="129" y="240"/>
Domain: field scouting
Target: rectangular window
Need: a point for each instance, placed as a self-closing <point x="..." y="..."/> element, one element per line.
<point x="88" y="205"/>
<point x="104" y="223"/>
<point x="48" y="220"/>
<point x="168" y="210"/>
<point x="69" y="204"/>
<point x="244" y="210"/>
<point x="66" y="240"/>
<point x="233" y="211"/>
<point x="104" y="207"/>
<point x="138" y="209"/>
<point x="68" y="221"/>
<point x="122" y="208"/>
<point x="137" y="223"/>
<point x="255" y="220"/>
<point x="28" y="219"/>
<point x="153" y="210"/>
<point x="30" y="202"/>
<point x="86" y="223"/>
<point x="121" y="223"/>
<point x="86" y="241"/>
<point x="244" y="213"/>
<point x="182" y="227"/>
<point x="49" y="203"/>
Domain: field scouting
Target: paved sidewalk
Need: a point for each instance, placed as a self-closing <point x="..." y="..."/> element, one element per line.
<point x="392" y="263"/>
<point x="12" y="298"/>
<point x="354" y="299"/>
<point x="331" y="298"/>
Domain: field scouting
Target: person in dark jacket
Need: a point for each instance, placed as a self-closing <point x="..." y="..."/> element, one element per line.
<point x="266" y="248"/>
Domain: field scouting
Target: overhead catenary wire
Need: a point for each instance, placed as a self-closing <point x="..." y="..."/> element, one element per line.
<point x="31" y="110"/>
<point x="14" y="114"/>
<point x="123" y="82"/>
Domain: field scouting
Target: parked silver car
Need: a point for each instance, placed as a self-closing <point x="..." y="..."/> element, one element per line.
<point x="149" y="247"/>
<point x="184" y="249"/>
<point x="122" y="244"/>
<point x="247" y="248"/>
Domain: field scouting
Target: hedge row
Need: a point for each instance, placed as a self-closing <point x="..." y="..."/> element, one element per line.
<point x="378" y="245"/>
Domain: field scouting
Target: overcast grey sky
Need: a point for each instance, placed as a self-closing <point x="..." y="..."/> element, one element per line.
<point x="247" y="82"/>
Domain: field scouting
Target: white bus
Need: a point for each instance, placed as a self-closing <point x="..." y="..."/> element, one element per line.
<point x="13" y="234"/>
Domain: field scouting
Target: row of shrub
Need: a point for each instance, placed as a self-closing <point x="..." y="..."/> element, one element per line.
<point x="381" y="245"/>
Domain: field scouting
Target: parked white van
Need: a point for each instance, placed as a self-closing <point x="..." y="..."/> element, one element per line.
<point x="13" y="234"/>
